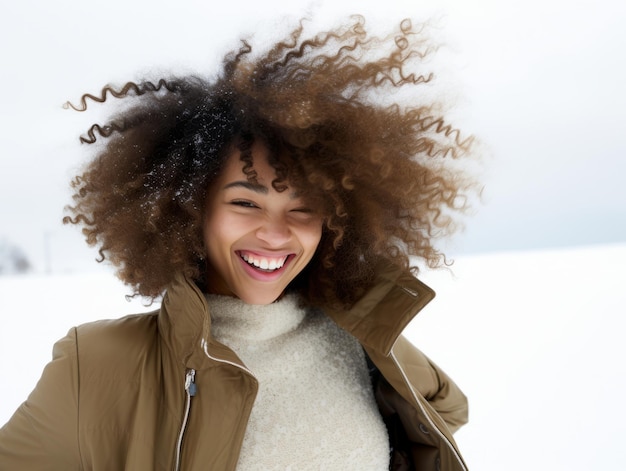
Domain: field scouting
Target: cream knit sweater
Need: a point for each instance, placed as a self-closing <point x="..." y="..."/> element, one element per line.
<point x="315" y="408"/>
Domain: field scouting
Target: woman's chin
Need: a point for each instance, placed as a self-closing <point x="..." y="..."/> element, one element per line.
<point x="260" y="297"/>
<point x="259" y="302"/>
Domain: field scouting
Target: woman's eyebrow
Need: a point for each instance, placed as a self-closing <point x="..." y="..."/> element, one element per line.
<point x="256" y="187"/>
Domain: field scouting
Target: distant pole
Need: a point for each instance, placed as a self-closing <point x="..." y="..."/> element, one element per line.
<point x="47" y="252"/>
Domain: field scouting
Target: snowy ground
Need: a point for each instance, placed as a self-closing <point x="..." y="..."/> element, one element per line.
<point x="534" y="338"/>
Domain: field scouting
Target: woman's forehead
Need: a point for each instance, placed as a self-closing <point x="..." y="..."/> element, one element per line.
<point x="234" y="165"/>
<point x="237" y="173"/>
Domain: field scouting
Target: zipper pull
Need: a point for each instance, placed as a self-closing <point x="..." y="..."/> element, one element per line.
<point x="190" y="385"/>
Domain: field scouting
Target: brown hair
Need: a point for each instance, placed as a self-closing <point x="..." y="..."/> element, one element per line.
<point x="376" y="168"/>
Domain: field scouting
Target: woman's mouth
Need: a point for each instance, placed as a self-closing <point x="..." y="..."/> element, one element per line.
<point x="263" y="263"/>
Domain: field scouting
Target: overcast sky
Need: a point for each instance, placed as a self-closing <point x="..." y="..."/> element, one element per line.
<point x="540" y="82"/>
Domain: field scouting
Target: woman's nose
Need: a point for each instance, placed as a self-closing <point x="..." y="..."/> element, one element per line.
<point x="274" y="231"/>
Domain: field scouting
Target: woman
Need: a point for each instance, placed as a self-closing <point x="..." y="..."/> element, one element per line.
<point x="275" y="208"/>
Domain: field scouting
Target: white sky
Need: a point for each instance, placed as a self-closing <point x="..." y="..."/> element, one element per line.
<point x="541" y="83"/>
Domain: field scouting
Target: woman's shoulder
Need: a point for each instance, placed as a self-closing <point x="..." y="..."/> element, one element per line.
<point x="108" y="340"/>
<point x="131" y="323"/>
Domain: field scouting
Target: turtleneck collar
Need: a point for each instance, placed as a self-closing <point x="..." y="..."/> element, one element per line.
<point x="376" y="320"/>
<point x="231" y="318"/>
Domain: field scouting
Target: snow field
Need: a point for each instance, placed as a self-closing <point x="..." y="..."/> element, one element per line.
<point x="535" y="340"/>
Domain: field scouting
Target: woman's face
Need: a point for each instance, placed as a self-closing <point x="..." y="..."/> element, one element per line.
<point x="257" y="239"/>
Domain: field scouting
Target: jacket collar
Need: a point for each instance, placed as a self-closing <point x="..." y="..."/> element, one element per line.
<point x="185" y="325"/>
<point x="183" y="319"/>
<point x="376" y="320"/>
<point x="379" y="317"/>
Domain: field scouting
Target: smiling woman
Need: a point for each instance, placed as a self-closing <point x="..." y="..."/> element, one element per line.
<point x="257" y="238"/>
<point x="276" y="209"/>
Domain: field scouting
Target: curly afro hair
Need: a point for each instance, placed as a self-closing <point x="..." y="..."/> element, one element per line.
<point x="375" y="163"/>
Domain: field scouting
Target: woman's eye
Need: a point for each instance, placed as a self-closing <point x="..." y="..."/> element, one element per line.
<point x="304" y="213"/>
<point x="302" y="210"/>
<point x="244" y="204"/>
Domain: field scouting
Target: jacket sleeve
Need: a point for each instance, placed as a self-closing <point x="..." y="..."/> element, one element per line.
<point x="445" y="397"/>
<point x="43" y="433"/>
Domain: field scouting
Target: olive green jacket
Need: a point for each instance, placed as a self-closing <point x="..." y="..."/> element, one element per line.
<point x="156" y="392"/>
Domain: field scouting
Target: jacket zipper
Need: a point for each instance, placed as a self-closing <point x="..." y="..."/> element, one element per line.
<point x="204" y="345"/>
<point x="190" y="391"/>
<point x="424" y="413"/>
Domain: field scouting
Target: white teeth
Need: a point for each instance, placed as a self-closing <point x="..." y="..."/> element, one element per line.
<point x="264" y="263"/>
